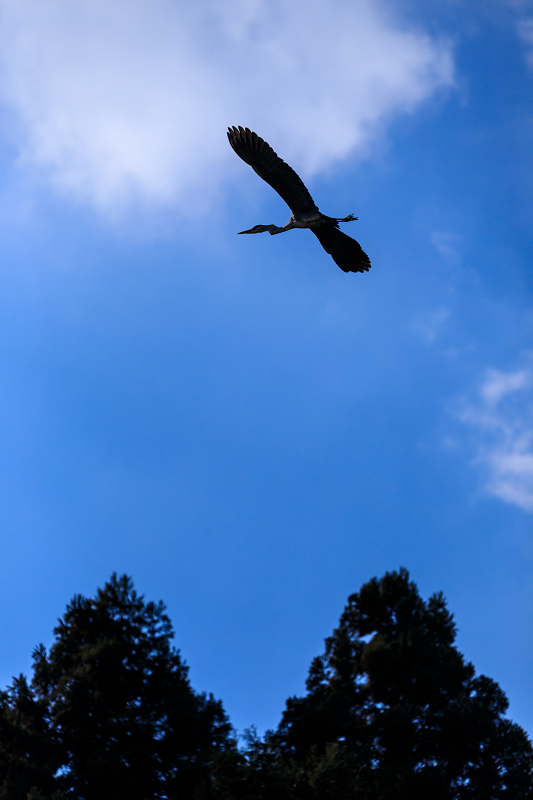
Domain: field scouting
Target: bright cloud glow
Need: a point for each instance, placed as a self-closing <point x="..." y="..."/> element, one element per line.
<point x="503" y="420"/>
<point x="131" y="98"/>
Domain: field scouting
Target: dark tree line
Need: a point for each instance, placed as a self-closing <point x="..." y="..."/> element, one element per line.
<point x="392" y="712"/>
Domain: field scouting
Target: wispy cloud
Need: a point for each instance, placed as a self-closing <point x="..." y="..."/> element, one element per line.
<point x="123" y="98"/>
<point x="447" y="245"/>
<point x="525" y="31"/>
<point x="502" y="420"/>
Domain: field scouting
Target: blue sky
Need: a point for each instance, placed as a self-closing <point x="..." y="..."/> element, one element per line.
<point x="246" y="430"/>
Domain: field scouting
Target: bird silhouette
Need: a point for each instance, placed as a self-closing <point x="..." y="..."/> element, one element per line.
<point x="345" y="251"/>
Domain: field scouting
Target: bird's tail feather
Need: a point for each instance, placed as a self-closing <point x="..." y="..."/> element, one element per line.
<point x="345" y="251"/>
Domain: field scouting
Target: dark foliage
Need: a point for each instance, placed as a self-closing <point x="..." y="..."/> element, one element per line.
<point x="113" y="705"/>
<point x="393" y="710"/>
<point x="28" y="758"/>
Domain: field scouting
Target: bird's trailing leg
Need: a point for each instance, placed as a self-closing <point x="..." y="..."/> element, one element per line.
<point x="349" y="218"/>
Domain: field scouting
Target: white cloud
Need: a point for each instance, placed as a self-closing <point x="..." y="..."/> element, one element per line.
<point x="502" y="418"/>
<point x="498" y="384"/>
<point x="125" y="98"/>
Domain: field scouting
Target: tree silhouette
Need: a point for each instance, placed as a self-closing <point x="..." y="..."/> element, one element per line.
<point x="393" y="710"/>
<point x="117" y="710"/>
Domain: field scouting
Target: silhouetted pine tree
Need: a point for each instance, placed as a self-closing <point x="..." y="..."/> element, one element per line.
<point x="393" y="711"/>
<point x="113" y="711"/>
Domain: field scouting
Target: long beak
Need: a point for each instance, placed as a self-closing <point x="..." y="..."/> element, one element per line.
<point x="250" y="231"/>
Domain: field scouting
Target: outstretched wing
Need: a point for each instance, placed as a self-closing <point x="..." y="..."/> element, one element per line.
<point x="345" y="251"/>
<point x="269" y="166"/>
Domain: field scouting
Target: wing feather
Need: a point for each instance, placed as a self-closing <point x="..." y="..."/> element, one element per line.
<point x="345" y="251"/>
<point x="271" y="168"/>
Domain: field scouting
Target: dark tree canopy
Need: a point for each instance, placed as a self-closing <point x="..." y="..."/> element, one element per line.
<point x="116" y="703"/>
<point x="393" y="710"/>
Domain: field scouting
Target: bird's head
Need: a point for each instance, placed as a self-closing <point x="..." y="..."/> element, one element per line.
<point x="260" y="229"/>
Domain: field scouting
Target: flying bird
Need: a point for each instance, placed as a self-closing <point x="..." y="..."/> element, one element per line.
<point x="345" y="251"/>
